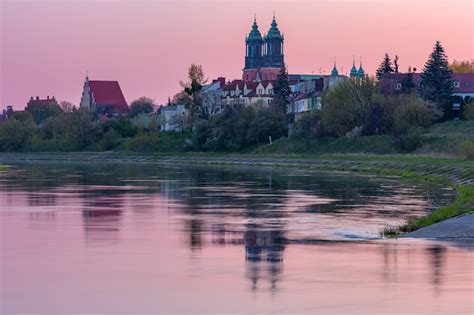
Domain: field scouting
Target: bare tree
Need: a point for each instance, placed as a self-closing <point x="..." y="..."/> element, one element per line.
<point x="67" y="107"/>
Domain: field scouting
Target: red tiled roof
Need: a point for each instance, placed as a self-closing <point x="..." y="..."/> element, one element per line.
<point x="107" y="93"/>
<point x="231" y="85"/>
<point x="466" y="82"/>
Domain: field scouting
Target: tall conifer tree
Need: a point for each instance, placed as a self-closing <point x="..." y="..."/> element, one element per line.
<point x="282" y="91"/>
<point x="385" y="67"/>
<point x="436" y="80"/>
<point x="395" y="64"/>
<point x="408" y="83"/>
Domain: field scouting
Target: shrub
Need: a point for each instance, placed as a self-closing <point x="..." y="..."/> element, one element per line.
<point x="143" y="105"/>
<point x="414" y="112"/>
<point x="469" y="111"/>
<point x="379" y="117"/>
<point x="239" y="128"/>
<point x="53" y="127"/>
<point x="17" y="133"/>
<point x="267" y="124"/>
<point x="149" y="142"/>
<point x="410" y="142"/>
<point x="308" y="126"/>
<point x="354" y="133"/>
<point x="467" y="149"/>
<point x="200" y="135"/>
<point x="81" y="130"/>
<point x="109" y="141"/>
<point x="41" y="112"/>
<point x="122" y="126"/>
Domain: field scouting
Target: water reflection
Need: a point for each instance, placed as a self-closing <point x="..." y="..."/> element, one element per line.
<point x="264" y="251"/>
<point x="287" y="233"/>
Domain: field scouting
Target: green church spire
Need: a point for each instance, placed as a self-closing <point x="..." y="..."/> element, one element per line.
<point x="254" y="33"/>
<point x="334" y="71"/>
<point x="274" y="32"/>
<point x="354" y="72"/>
<point x="361" y="72"/>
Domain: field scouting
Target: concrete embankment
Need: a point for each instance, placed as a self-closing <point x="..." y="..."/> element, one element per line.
<point x="458" y="228"/>
<point x="425" y="168"/>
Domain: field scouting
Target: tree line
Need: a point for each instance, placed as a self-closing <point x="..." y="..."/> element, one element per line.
<point x="352" y="108"/>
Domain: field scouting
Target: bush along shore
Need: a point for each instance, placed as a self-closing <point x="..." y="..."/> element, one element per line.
<point x="453" y="172"/>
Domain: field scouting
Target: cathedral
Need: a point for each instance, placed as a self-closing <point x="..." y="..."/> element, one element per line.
<point x="263" y="55"/>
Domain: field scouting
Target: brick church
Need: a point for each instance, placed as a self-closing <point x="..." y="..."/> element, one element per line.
<point x="263" y="55"/>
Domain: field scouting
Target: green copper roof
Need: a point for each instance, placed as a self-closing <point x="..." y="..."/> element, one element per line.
<point x="254" y="33"/>
<point x="353" y="69"/>
<point x="361" y="71"/>
<point x="274" y="32"/>
<point x="334" y="70"/>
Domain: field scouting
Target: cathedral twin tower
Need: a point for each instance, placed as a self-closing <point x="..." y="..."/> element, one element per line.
<point x="263" y="55"/>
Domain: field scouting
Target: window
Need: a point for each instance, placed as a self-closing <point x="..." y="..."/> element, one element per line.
<point x="270" y="91"/>
<point x="260" y="91"/>
<point x="398" y="86"/>
<point x="456" y="84"/>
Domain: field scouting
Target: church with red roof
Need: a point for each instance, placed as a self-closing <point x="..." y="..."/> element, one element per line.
<point x="104" y="97"/>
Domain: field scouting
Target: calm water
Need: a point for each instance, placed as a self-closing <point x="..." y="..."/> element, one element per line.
<point x="147" y="239"/>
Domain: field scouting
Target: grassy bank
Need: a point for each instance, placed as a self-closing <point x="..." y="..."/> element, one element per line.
<point x="453" y="138"/>
<point x="464" y="203"/>
<point x="450" y="171"/>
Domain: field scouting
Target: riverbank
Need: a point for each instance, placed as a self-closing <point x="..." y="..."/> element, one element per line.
<point x="454" y="172"/>
<point x="458" y="228"/>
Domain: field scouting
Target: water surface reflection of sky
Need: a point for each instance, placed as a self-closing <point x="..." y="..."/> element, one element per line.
<point x="141" y="239"/>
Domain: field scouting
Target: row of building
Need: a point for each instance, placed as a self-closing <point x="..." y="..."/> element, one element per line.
<point x="264" y="59"/>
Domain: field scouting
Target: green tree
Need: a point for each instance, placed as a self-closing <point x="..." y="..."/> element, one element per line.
<point x="142" y="105"/>
<point x="463" y="66"/>
<point x="81" y="128"/>
<point x="40" y="111"/>
<point x="395" y="64"/>
<point x="468" y="110"/>
<point x="379" y="118"/>
<point x="66" y="106"/>
<point x="122" y="126"/>
<point x="193" y="89"/>
<point x="53" y="127"/>
<point x="268" y="124"/>
<point x="345" y="106"/>
<point x="17" y="132"/>
<point x="413" y="112"/>
<point x="282" y="91"/>
<point x="436" y="80"/>
<point x="385" y="67"/>
<point x="408" y="82"/>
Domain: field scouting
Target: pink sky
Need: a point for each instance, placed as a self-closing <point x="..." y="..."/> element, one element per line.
<point x="47" y="46"/>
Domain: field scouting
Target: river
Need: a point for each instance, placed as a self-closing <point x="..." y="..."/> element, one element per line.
<point x="123" y="238"/>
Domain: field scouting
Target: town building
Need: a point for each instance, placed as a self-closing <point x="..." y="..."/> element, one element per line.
<point x="212" y="94"/>
<point x="173" y="117"/>
<point x="104" y="97"/>
<point x="463" y="87"/>
<point x="42" y="102"/>
<point x="244" y="93"/>
<point x="6" y="113"/>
